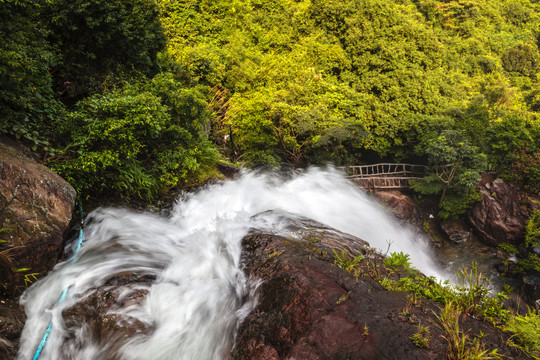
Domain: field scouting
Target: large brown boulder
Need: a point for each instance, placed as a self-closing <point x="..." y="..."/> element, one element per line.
<point x="309" y="308"/>
<point x="501" y="215"/>
<point x="403" y="207"/>
<point x="35" y="210"/>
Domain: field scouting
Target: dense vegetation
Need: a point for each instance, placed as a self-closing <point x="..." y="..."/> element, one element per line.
<point x="273" y="83"/>
<point x="469" y="296"/>
<point x="303" y="82"/>
<point x="82" y="84"/>
<point x="285" y="82"/>
<point x="135" y="97"/>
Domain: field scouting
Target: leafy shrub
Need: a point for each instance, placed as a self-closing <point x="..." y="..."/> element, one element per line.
<point x="422" y="337"/>
<point x="457" y="203"/>
<point x="529" y="264"/>
<point x="509" y="248"/>
<point x="474" y="295"/>
<point x="455" y="172"/>
<point x="526" y="331"/>
<point x="129" y="143"/>
<point x="487" y="64"/>
<point x="99" y="37"/>
<point x="525" y="170"/>
<point x="522" y="59"/>
<point x="398" y="262"/>
<point x="27" y="104"/>
<point x="347" y="262"/>
<point x="532" y="229"/>
<point x="504" y="138"/>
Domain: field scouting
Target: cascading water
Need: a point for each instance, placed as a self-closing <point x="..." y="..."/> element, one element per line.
<point x="200" y="293"/>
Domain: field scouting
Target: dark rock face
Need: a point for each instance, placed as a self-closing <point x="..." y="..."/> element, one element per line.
<point x="457" y="231"/>
<point x="402" y="205"/>
<point x="309" y="308"/>
<point x="500" y="216"/>
<point x="12" y="320"/>
<point x="531" y="288"/>
<point x="229" y="171"/>
<point x="99" y="315"/>
<point x="35" y="211"/>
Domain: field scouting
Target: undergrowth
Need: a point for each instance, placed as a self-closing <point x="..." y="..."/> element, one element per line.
<point x="470" y="296"/>
<point x="526" y="330"/>
<point x="461" y="346"/>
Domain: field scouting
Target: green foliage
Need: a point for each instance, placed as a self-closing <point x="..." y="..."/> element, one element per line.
<point x="422" y="337"/>
<point x="30" y="278"/>
<point x="97" y="38"/>
<point x="458" y="202"/>
<point x="532" y="229"/>
<point x="525" y="170"/>
<point x="346" y="262"/>
<point x="291" y="82"/>
<point x="27" y="104"/>
<point x="529" y="264"/>
<point x="456" y="170"/>
<point x="129" y="142"/>
<point x="473" y="294"/>
<point x="504" y="138"/>
<point x="460" y="345"/>
<point x="398" y="262"/>
<point x="526" y="332"/>
<point x="428" y="287"/>
<point x="470" y="295"/>
<point x="509" y="248"/>
<point x="521" y="58"/>
<point x="356" y="81"/>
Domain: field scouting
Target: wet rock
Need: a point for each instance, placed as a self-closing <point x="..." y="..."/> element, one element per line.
<point x="308" y="308"/>
<point x="530" y="289"/>
<point x="402" y="205"/>
<point x="457" y="231"/>
<point x="35" y="210"/>
<point x="500" y="216"/>
<point x="229" y="171"/>
<point x="12" y="320"/>
<point x="102" y="315"/>
<point x="506" y="267"/>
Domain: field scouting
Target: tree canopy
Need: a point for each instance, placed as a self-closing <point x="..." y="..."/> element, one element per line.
<point x="283" y="82"/>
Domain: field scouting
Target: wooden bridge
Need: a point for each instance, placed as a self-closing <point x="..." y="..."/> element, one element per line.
<point x="385" y="175"/>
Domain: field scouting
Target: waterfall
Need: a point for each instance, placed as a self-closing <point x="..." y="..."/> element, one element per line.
<point x="200" y="293"/>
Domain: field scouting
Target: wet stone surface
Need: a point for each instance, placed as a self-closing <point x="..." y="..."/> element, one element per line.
<point x="12" y="320"/>
<point x="308" y="308"/>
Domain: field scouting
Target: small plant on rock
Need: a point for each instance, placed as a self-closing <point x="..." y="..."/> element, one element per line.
<point x="398" y="260"/>
<point x="422" y="337"/>
<point x="460" y="345"/>
<point x="347" y="262"/>
<point x="398" y="263"/>
<point x="526" y="331"/>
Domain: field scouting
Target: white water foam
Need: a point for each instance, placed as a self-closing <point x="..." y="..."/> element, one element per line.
<point x="200" y="292"/>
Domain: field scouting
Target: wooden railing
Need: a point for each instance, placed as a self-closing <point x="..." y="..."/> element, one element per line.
<point x="384" y="175"/>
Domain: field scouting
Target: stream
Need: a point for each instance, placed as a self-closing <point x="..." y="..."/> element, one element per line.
<point x="200" y="294"/>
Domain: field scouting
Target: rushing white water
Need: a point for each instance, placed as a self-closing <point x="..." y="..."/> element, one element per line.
<point x="200" y="293"/>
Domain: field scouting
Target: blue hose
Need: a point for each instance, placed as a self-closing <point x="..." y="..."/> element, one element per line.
<point x="64" y="293"/>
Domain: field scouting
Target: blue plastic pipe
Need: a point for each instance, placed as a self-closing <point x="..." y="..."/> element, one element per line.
<point x="64" y="293"/>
